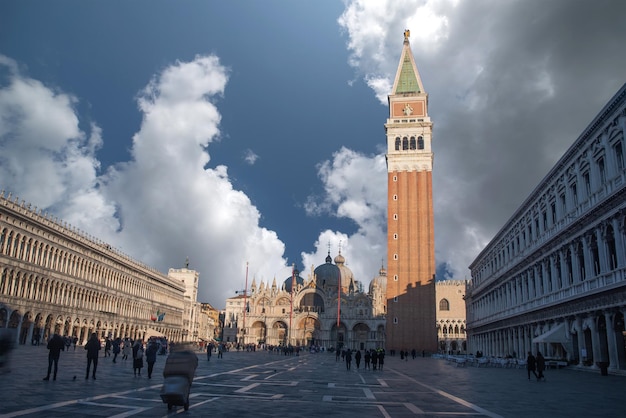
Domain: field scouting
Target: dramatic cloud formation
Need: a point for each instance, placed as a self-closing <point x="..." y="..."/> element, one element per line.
<point x="511" y="86"/>
<point x="355" y="188"/>
<point x="162" y="206"/>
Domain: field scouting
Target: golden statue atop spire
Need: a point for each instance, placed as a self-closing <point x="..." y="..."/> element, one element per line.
<point x="407" y="34"/>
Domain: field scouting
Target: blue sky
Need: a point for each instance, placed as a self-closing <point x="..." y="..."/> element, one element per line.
<point x="248" y="131"/>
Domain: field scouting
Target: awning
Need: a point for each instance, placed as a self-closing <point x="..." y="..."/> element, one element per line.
<point x="153" y="333"/>
<point x="554" y="335"/>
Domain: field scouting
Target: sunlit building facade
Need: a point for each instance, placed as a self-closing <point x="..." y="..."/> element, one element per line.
<point x="554" y="278"/>
<point x="57" y="279"/>
<point x="451" y="324"/>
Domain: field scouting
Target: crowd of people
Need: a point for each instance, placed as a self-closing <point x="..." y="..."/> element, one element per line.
<point x="135" y="350"/>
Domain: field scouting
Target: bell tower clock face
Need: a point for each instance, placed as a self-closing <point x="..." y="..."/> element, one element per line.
<point x="405" y="109"/>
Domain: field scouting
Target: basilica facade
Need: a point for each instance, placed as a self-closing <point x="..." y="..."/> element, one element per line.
<point x="328" y="309"/>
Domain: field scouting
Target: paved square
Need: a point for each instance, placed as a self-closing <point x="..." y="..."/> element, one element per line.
<point x="258" y="384"/>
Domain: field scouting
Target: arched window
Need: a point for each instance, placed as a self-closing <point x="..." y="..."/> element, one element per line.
<point x="444" y="305"/>
<point x="405" y="143"/>
<point x="397" y="143"/>
<point x="412" y="143"/>
<point x="420" y="143"/>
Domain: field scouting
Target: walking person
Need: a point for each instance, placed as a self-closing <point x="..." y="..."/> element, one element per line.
<point x="55" y="345"/>
<point x="107" y="347"/>
<point x="357" y="358"/>
<point x="151" y="356"/>
<point x="137" y="357"/>
<point x="348" y="358"/>
<point x="367" y="359"/>
<point x="381" y="359"/>
<point x="220" y="350"/>
<point x="541" y="366"/>
<point x="127" y="350"/>
<point x="116" y="348"/>
<point x="209" y="351"/>
<point x="374" y="359"/>
<point x="531" y="364"/>
<point x="92" y="347"/>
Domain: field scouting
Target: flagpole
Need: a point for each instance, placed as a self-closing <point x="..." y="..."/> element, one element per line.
<point x="338" y="300"/>
<point x="245" y="305"/>
<point x="293" y="281"/>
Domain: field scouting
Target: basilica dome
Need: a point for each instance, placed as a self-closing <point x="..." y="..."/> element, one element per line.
<point x="289" y="280"/>
<point x="379" y="282"/>
<point x="328" y="273"/>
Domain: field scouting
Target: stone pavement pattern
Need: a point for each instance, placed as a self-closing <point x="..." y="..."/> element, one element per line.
<point x="260" y="384"/>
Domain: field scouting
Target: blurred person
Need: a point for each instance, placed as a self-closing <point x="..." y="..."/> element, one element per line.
<point x="138" y="353"/>
<point x="151" y="356"/>
<point x="55" y="345"/>
<point x="92" y="347"/>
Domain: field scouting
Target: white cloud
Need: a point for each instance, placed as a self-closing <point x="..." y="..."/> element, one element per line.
<point x="376" y="28"/>
<point x="505" y="82"/>
<point x="355" y="187"/>
<point x="160" y="207"/>
<point x="250" y="157"/>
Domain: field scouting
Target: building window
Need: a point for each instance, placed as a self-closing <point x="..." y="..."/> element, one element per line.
<point x="395" y="256"/>
<point x="412" y="144"/>
<point x="395" y="277"/>
<point x="405" y="143"/>
<point x="395" y="178"/>
<point x="395" y="236"/>
<point x="587" y="183"/>
<point x="574" y="190"/>
<point x="395" y="298"/>
<point x="420" y="143"/>
<point x="398" y="143"/>
<point x="602" y="171"/>
<point x="444" y="305"/>
<point x="395" y="319"/>
<point x="619" y="156"/>
<point x="395" y="216"/>
<point x="395" y="197"/>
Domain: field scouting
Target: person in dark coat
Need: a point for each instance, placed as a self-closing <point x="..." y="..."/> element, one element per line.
<point x="116" y="348"/>
<point x="151" y="356"/>
<point x="138" y="357"/>
<point x="348" y="358"/>
<point x="92" y="347"/>
<point x="381" y="359"/>
<point x="357" y="358"/>
<point x="374" y="359"/>
<point x="55" y="345"/>
<point x="367" y="359"/>
<point x="209" y="351"/>
<point x="541" y="366"/>
<point x="531" y="364"/>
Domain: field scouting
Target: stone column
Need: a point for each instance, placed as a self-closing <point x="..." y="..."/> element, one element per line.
<point x="620" y="245"/>
<point x="595" y="340"/>
<point x="609" y="316"/>
<point x="601" y="241"/>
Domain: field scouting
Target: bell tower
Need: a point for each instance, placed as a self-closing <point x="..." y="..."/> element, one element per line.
<point x="411" y="309"/>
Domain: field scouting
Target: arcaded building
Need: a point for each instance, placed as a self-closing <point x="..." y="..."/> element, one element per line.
<point x="57" y="279"/>
<point x="553" y="279"/>
<point x="411" y="309"/>
<point x="327" y="309"/>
